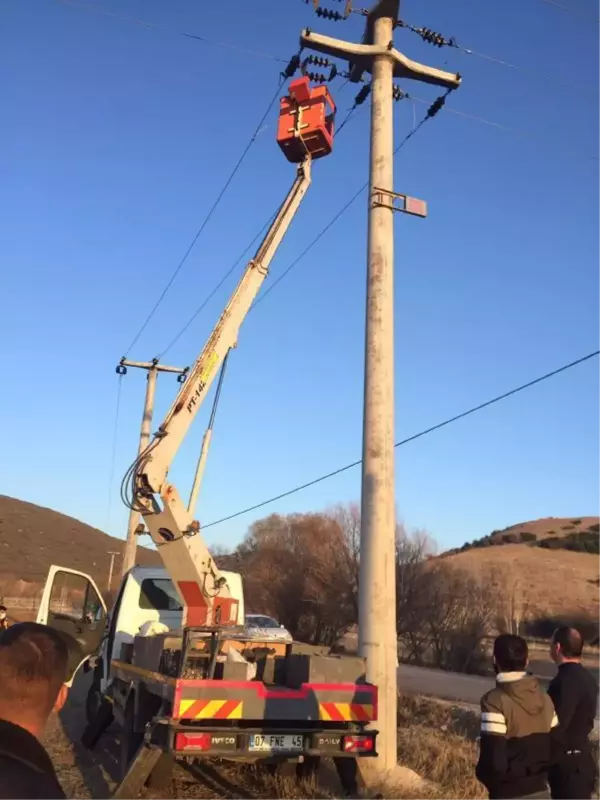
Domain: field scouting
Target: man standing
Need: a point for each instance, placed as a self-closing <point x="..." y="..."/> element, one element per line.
<point x="574" y="692"/>
<point x="516" y="720"/>
<point x="33" y="671"/>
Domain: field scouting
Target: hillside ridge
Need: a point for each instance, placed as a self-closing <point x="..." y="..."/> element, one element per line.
<point x="579" y="534"/>
<point x="33" y="537"/>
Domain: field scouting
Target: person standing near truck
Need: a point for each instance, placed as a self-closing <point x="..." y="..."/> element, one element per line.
<point x="33" y="672"/>
<point x="517" y="718"/>
<point x="574" y="692"/>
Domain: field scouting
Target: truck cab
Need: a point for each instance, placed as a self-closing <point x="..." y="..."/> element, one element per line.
<point x="72" y="603"/>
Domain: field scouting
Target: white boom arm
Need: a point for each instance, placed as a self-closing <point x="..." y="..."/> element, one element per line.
<point x="204" y="593"/>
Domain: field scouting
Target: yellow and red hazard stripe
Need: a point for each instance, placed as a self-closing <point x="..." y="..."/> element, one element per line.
<point x="346" y="712"/>
<point x="210" y="709"/>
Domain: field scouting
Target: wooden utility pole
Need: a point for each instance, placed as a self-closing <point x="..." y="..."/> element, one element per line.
<point x="153" y="368"/>
<point x="112" y="555"/>
<point x="377" y="579"/>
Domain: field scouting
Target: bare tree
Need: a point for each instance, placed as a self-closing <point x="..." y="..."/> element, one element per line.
<point x="348" y="519"/>
<point x="460" y="617"/>
<point x="513" y="599"/>
<point x="297" y="568"/>
<point x="413" y="591"/>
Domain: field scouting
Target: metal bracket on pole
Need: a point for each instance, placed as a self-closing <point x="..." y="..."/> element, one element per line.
<point x="398" y="202"/>
<point x="361" y="58"/>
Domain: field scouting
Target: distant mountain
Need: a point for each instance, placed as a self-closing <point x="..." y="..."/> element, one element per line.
<point x="32" y="538"/>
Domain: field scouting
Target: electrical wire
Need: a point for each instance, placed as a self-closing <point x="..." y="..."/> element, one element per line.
<point x="152" y="25"/>
<point x="517" y="131"/>
<point x="412" y="438"/>
<point x="246" y="249"/>
<point x="113" y="457"/>
<point x="346" y="206"/>
<point x="207" y="217"/>
<point x="272" y="57"/>
<point x="129" y="484"/>
<point x="216" y="288"/>
<point x="572" y="10"/>
<point x="439" y="40"/>
<point x="347" y="119"/>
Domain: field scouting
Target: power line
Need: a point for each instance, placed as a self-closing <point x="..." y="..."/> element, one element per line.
<point x="152" y="25"/>
<point x="354" y="197"/>
<point x="571" y="10"/>
<point x="207" y="217"/>
<point x="439" y="40"/>
<point x="272" y="57"/>
<point x="260" y="232"/>
<point x="216" y="288"/>
<point x="412" y="438"/>
<point x="500" y="126"/>
<point x="347" y="205"/>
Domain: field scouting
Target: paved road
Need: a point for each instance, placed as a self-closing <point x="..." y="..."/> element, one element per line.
<point x="441" y="684"/>
<point x="448" y="685"/>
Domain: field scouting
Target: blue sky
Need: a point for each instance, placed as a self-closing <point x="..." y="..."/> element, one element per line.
<point x="116" y="140"/>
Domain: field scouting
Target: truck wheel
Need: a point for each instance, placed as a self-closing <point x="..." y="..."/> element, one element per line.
<point x="131" y="740"/>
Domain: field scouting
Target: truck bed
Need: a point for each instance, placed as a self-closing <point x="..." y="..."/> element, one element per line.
<point x="197" y="700"/>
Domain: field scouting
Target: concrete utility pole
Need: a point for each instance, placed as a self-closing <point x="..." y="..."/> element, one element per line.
<point x="377" y="579"/>
<point x="153" y="368"/>
<point x="112" y="555"/>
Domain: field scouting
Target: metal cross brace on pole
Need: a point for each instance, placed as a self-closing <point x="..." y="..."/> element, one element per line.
<point x="153" y="367"/>
<point x="377" y="590"/>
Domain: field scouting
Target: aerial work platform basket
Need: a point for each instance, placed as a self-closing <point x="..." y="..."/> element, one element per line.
<point x="306" y="121"/>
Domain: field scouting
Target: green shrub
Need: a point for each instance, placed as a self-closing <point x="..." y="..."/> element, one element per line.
<point x="527" y="536"/>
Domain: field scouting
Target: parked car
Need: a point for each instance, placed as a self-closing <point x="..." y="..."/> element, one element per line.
<point x="259" y="626"/>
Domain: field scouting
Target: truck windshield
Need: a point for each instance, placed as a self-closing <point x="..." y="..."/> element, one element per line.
<point x="160" y="594"/>
<point x="255" y="621"/>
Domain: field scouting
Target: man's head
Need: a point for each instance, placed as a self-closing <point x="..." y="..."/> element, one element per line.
<point x="2" y="613"/>
<point x="510" y="653"/>
<point x="567" y="645"/>
<point x="33" y="671"/>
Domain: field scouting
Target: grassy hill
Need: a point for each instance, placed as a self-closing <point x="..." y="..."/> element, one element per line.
<point x="568" y="529"/>
<point x="550" y="565"/>
<point x="32" y="538"/>
<point x="556" y="582"/>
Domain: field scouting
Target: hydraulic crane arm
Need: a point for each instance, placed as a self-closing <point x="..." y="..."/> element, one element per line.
<point x="204" y="593"/>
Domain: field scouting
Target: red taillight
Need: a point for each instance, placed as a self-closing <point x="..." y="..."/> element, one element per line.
<point x="192" y="741"/>
<point x="363" y="744"/>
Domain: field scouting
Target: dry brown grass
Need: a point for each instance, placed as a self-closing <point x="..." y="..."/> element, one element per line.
<point x="436" y="739"/>
<point x="573" y="589"/>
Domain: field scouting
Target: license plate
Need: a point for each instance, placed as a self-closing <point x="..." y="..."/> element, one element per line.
<point x="276" y="743"/>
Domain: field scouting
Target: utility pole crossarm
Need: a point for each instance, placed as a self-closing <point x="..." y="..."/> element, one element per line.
<point x="224" y="336"/>
<point x="361" y="58"/>
<point x="124" y="362"/>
